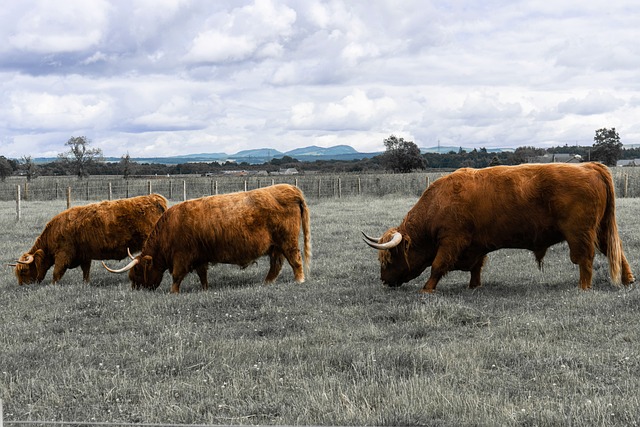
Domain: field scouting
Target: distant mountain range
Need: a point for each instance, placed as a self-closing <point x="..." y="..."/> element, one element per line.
<point x="263" y="155"/>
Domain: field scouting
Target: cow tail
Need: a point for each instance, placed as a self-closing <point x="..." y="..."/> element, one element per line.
<point x="609" y="230"/>
<point x="306" y="231"/>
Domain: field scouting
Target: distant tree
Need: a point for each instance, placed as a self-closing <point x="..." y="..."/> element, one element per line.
<point x="80" y="156"/>
<point x="495" y="161"/>
<point x="5" y="168"/>
<point x="29" y="167"/>
<point x="283" y="161"/>
<point x="525" y="154"/>
<point x="126" y="166"/>
<point x="606" y="146"/>
<point x="402" y="156"/>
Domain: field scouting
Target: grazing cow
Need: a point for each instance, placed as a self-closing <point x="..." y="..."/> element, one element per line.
<point x="80" y="234"/>
<point x="471" y="212"/>
<point x="232" y="228"/>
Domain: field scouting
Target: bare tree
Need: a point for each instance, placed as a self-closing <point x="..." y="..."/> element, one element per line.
<point x="80" y="156"/>
<point x="29" y="167"/>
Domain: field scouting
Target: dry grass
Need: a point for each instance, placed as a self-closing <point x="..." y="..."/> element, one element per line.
<point x="528" y="348"/>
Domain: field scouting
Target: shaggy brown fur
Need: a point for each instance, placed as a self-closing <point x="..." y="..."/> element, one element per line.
<point x="97" y="231"/>
<point x="471" y="212"/>
<point x="232" y="228"/>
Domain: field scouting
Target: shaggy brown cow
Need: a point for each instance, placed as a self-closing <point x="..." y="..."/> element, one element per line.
<point x="96" y="231"/>
<point x="469" y="213"/>
<point x="233" y="228"/>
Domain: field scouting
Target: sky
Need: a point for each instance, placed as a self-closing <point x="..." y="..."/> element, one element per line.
<point x="171" y="77"/>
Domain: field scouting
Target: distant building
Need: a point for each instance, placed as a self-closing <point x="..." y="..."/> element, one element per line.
<point x="556" y="158"/>
<point x="628" y="163"/>
<point x="286" y="171"/>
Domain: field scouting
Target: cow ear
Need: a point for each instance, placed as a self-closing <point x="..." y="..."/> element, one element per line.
<point x="147" y="261"/>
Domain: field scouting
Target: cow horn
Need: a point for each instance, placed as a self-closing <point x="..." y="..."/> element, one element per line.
<point x="371" y="239"/>
<point x="129" y="252"/>
<point x="395" y="241"/>
<point x="12" y="265"/>
<point x="123" y="269"/>
<point x="29" y="260"/>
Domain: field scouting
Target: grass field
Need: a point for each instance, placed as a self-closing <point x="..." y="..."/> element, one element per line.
<point x="528" y="348"/>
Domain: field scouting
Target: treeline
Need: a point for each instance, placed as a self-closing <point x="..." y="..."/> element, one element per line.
<point x="477" y="158"/>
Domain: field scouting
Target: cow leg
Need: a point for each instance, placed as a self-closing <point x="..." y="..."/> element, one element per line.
<point x="86" y="267"/>
<point x="443" y="263"/>
<point x="581" y="252"/>
<point x="61" y="262"/>
<point x="475" y="273"/>
<point x="178" y="275"/>
<point x="275" y="261"/>
<point x="202" y="274"/>
<point x="58" y="271"/>
<point x="627" y="275"/>
<point x="295" y="261"/>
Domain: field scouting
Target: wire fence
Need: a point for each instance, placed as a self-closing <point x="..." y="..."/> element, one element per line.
<point x="179" y="188"/>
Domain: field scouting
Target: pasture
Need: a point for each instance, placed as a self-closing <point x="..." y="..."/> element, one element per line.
<point x="528" y="348"/>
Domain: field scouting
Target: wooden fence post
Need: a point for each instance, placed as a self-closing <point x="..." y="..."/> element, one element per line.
<point x="87" y="190"/>
<point x="184" y="191"/>
<point x="428" y="181"/>
<point x="26" y="191"/>
<point x="296" y="182"/>
<point x="56" y="190"/>
<point x="359" y="187"/>
<point x="245" y="185"/>
<point x="626" y="184"/>
<point x="68" y="197"/>
<point x="148" y="187"/>
<point x="170" y="189"/>
<point x="216" y="187"/>
<point x="319" y="186"/>
<point x="110" y="192"/>
<point x="127" y="190"/>
<point x="339" y="188"/>
<point x="17" y="216"/>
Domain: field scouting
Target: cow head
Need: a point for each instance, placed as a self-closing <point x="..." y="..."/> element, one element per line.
<point x="399" y="261"/>
<point x="142" y="273"/>
<point x="32" y="268"/>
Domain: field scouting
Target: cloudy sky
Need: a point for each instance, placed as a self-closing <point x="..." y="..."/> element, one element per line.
<point x="168" y="77"/>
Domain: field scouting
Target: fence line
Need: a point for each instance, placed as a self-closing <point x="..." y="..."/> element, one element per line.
<point x="313" y="186"/>
<point x="627" y="184"/>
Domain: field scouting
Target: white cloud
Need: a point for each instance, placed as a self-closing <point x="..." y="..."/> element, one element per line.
<point x="54" y="27"/>
<point x="180" y="75"/>
<point x="213" y="46"/>
<point x="595" y="102"/>
<point x="355" y="111"/>
<point x="57" y="112"/>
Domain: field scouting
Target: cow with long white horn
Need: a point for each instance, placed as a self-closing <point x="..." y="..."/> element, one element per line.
<point x="464" y="216"/>
<point x="232" y="228"/>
